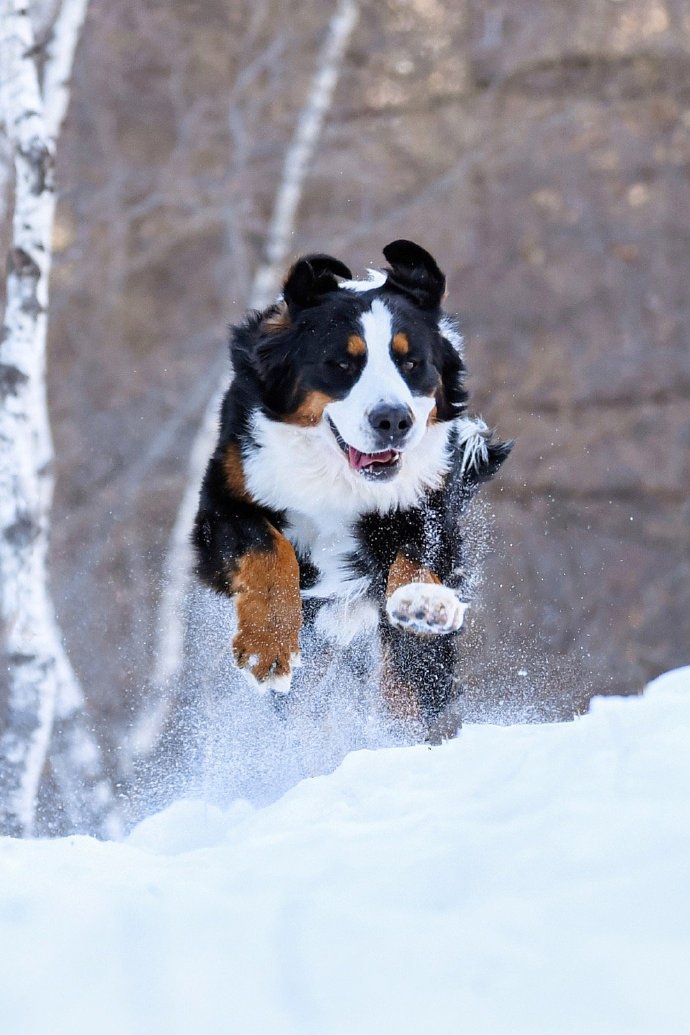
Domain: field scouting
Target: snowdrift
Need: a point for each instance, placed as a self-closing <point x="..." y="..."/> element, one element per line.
<point x="519" y="879"/>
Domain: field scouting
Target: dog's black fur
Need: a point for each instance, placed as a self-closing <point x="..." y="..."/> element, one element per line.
<point x="293" y="363"/>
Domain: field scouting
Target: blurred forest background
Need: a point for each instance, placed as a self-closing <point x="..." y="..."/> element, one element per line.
<point x="539" y="149"/>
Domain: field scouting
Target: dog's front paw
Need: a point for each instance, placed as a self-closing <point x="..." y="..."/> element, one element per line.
<point x="425" y="608"/>
<point x="265" y="664"/>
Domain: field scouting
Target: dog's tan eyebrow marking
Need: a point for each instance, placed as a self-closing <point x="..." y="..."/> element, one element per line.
<point x="234" y="472"/>
<point x="403" y="571"/>
<point x="310" y="412"/>
<point x="401" y="344"/>
<point x="356" y="346"/>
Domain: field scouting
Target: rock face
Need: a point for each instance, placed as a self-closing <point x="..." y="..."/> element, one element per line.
<point x="540" y="151"/>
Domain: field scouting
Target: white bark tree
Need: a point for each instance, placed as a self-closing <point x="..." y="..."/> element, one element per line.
<point x="264" y="288"/>
<point x="40" y="679"/>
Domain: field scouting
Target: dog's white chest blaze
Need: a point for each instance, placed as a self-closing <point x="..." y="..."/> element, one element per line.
<point x="328" y="543"/>
<point x="302" y="472"/>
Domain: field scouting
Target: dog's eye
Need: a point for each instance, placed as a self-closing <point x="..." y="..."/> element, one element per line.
<point x="409" y="364"/>
<point x="340" y="364"/>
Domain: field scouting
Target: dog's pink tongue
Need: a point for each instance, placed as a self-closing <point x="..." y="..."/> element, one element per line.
<point x="359" y="460"/>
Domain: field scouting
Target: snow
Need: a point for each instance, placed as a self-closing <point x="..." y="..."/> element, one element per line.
<point x="520" y="879"/>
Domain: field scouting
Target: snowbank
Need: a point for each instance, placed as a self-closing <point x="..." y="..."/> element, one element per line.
<point x="527" y="879"/>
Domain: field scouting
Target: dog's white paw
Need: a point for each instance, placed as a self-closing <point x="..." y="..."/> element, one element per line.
<point x="426" y="607"/>
<point x="263" y="678"/>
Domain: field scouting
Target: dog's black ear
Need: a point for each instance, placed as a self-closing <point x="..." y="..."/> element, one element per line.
<point x="311" y="278"/>
<point x="413" y="272"/>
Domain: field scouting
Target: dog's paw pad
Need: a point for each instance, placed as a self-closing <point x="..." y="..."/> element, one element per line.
<point x="424" y="607"/>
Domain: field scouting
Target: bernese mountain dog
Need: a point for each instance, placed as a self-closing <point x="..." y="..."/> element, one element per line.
<point x="333" y="503"/>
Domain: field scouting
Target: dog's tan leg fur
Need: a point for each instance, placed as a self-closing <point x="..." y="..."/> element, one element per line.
<point x="265" y="584"/>
<point x="401" y="698"/>
<point x="403" y="570"/>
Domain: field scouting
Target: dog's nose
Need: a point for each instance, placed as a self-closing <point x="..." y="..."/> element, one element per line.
<point x="391" y="423"/>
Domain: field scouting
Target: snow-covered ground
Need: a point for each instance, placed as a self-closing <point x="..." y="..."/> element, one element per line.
<point x="519" y="879"/>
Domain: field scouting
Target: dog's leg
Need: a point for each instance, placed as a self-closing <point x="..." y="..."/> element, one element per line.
<point x="419" y="680"/>
<point x="242" y="554"/>
<point x="265" y="585"/>
<point x="419" y="643"/>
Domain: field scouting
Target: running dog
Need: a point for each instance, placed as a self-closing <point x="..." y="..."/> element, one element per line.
<point x="346" y="457"/>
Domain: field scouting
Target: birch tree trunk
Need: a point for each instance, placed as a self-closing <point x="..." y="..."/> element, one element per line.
<point x="39" y="673"/>
<point x="265" y="286"/>
<point x="75" y="757"/>
<point x="5" y="163"/>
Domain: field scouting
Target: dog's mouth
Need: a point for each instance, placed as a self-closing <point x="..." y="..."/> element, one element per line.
<point x="381" y="465"/>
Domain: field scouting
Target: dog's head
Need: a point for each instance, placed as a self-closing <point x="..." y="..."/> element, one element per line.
<point x="374" y="362"/>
